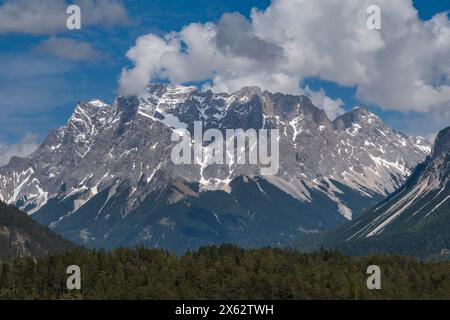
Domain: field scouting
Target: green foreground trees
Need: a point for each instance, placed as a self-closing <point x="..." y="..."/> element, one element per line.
<point x="224" y="272"/>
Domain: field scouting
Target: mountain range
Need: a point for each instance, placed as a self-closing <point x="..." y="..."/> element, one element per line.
<point x="106" y="178"/>
<point x="415" y="220"/>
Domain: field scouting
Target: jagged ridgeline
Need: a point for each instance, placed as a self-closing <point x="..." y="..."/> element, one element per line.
<point x="415" y="220"/>
<point x="106" y="178"/>
<point x="21" y="236"/>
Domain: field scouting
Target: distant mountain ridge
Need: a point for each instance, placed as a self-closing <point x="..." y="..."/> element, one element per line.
<point x="415" y="220"/>
<point x="106" y="178"/>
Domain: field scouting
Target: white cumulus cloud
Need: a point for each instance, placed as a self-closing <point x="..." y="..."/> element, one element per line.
<point x="22" y="148"/>
<point x="404" y="66"/>
<point x="332" y="107"/>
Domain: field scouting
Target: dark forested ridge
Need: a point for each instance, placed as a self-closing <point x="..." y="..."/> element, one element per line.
<point x="225" y="272"/>
<point x="21" y="236"/>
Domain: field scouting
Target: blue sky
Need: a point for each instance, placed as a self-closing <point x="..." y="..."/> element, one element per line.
<point x="40" y="84"/>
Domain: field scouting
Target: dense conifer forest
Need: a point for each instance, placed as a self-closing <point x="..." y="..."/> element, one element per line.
<point x="224" y="272"/>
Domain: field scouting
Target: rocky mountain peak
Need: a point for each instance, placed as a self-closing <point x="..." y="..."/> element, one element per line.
<point x="442" y="143"/>
<point x="416" y="217"/>
<point x="360" y="116"/>
<point x="109" y="164"/>
<point x="91" y="111"/>
<point x="156" y="88"/>
<point x="172" y="91"/>
<point x="248" y="91"/>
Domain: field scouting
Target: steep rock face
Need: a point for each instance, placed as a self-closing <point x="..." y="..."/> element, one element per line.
<point x="415" y="220"/>
<point x="112" y="164"/>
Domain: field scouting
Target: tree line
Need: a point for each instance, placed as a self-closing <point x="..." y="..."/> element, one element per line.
<point x="221" y="272"/>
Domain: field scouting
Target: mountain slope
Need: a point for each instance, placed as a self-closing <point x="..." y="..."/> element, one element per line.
<point x="180" y="217"/>
<point x="106" y="178"/>
<point x="22" y="236"/>
<point x="415" y="220"/>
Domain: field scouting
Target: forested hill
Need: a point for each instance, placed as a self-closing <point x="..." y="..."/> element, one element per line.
<point x="224" y="272"/>
<point x="22" y="236"/>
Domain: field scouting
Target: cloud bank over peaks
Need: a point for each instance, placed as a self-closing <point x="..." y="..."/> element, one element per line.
<point x="405" y="66"/>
